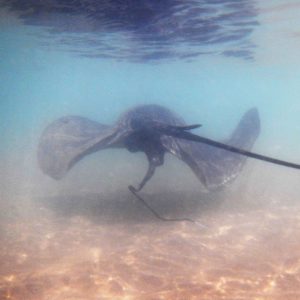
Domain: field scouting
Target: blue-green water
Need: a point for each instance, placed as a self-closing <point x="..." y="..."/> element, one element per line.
<point x="40" y="83"/>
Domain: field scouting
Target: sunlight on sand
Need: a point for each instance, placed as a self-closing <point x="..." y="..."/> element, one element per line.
<point x="245" y="255"/>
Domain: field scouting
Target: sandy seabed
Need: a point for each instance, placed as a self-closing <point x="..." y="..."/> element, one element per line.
<point x="252" y="254"/>
<point x="96" y="246"/>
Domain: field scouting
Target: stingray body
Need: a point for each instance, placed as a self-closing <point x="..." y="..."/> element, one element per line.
<point x="154" y="130"/>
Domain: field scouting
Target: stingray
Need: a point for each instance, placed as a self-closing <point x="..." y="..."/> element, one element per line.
<point x="154" y="130"/>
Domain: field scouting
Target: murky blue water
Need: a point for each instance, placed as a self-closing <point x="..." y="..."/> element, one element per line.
<point x="209" y="62"/>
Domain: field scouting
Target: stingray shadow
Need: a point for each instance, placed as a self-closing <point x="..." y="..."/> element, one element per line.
<point x="123" y="207"/>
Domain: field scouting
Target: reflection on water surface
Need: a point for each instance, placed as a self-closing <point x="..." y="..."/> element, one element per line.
<point x="142" y="30"/>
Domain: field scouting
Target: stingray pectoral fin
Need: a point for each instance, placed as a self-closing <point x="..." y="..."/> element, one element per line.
<point x="65" y="141"/>
<point x="215" y="163"/>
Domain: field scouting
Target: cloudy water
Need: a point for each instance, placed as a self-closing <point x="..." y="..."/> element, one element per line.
<point x="86" y="236"/>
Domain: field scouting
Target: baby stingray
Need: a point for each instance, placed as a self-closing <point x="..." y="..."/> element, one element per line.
<point x="154" y="130"/>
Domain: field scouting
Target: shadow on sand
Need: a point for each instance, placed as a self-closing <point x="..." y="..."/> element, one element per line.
<point x="122" y="207"/>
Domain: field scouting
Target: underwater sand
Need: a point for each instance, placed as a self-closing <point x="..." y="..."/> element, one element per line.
<point x="108" y="246"/>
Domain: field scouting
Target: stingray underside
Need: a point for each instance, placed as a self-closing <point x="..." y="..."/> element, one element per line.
<point x="68" y="139"/>
<point x="213" y="166"/>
